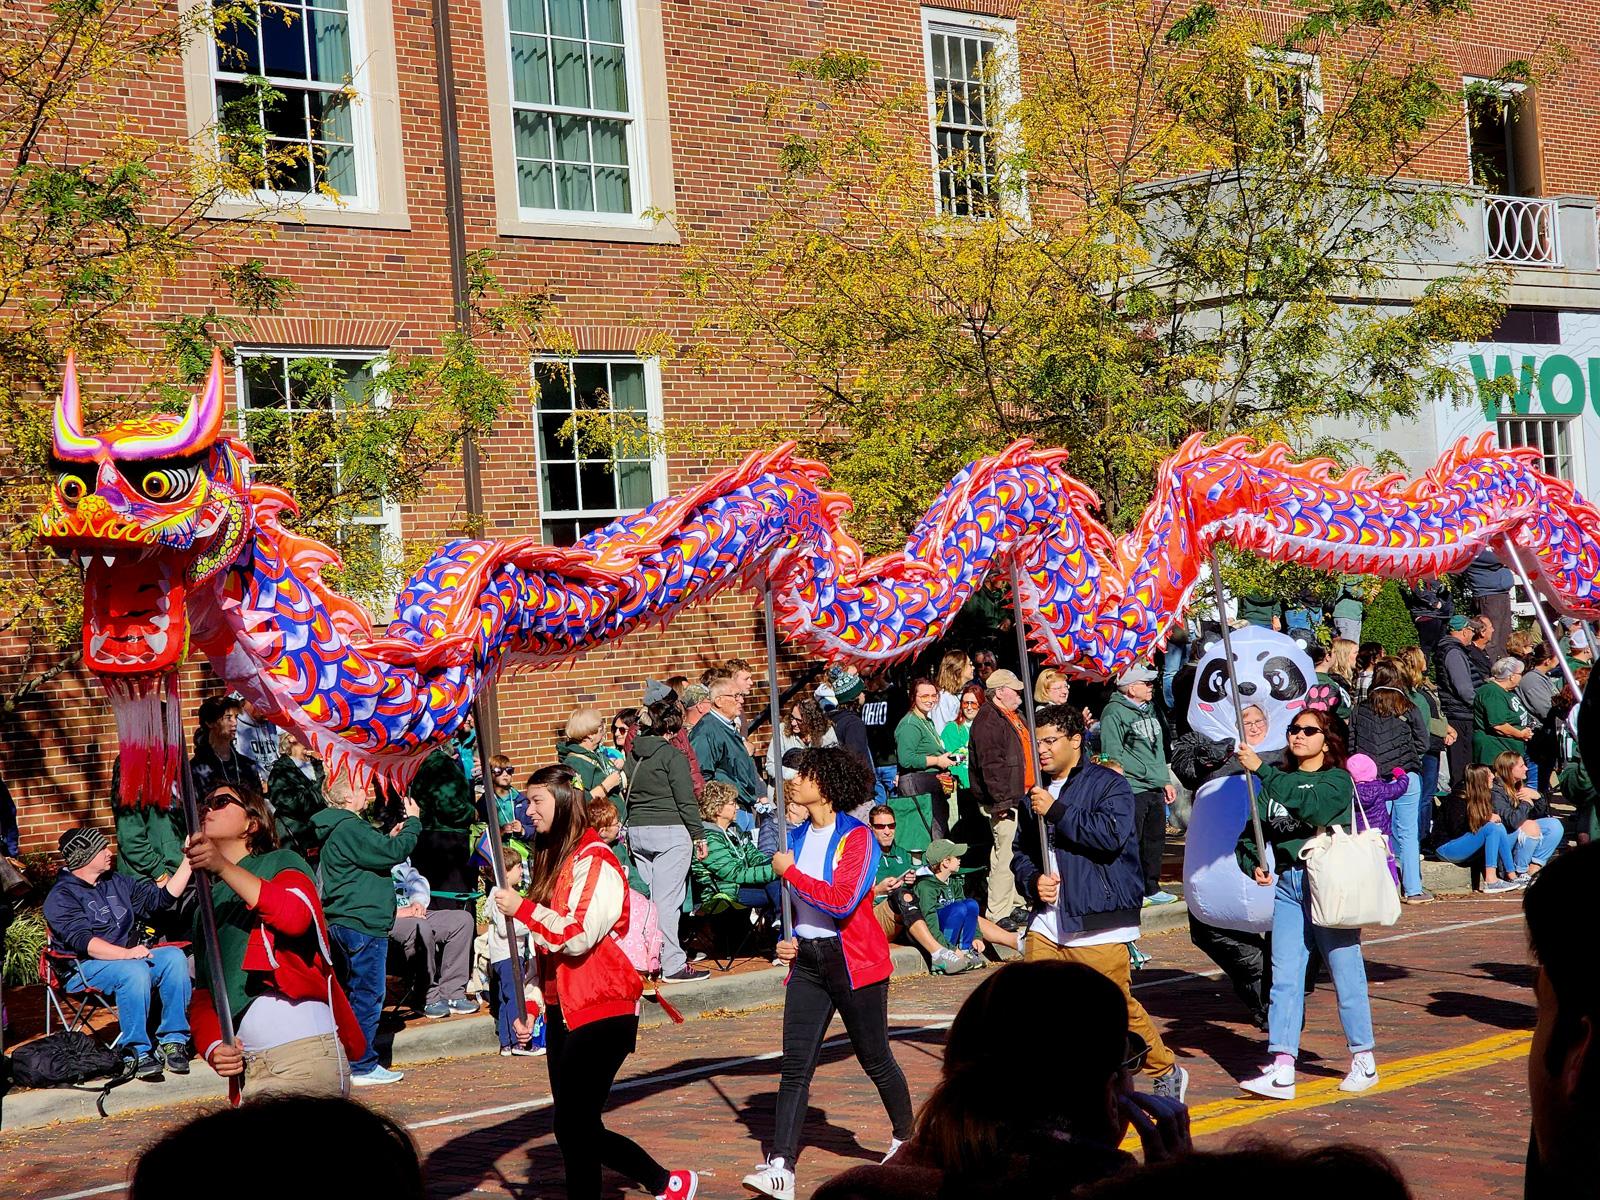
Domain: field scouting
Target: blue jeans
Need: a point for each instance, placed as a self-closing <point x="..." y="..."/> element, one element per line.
<point x="130" y="982"/>
<point x="958" y="921"/>
<point x="745" y="819"/>
<point x="1407" y="848"/>
<point x="1292" y="937"/>
<point x="365" y="957"/>
<point x="1533" y="774"/>
<point x="1535" y="841"/>
<point x="883" y="787"/>
<point x="1430" y="786"/>
<point x="1490" y="837"/>
<point x="768" y="895"/>
<point x="502" y="1001"/>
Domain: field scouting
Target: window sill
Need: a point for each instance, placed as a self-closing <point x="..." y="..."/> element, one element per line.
<point x="662" y="233"/>
<point x="329" y="216"/>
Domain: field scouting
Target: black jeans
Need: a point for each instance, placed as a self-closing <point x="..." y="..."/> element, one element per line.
<point x="819" y="985"/>
<point x="583" y="1063"/>
<point x="1150" y="827"/>
<point x="1245" y="958"/>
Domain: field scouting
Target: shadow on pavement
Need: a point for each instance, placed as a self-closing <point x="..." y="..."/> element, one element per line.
<point x="1486" y="1010"/>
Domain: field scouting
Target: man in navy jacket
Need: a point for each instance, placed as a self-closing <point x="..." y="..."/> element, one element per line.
<point x="97" y="916"/>
<point x="1087" y="896"/>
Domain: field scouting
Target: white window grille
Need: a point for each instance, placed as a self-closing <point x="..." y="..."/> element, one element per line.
<point x="971" y="83"/>
<point x="1522" y="230"/>
<point x="276" y="395"/>
<point x="284" y="79"/>
<point x="1551" y="436"/>
<point x="1288" y="85"/>
<point x="575" y="108"/>
<point x="584" y="485"/>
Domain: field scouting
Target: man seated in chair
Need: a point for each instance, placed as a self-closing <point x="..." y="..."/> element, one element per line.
<point x="441" y="938"/>
<point x="97" y="917"/>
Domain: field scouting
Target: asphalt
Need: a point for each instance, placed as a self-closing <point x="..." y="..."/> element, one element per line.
<point x="461" y="1037"/>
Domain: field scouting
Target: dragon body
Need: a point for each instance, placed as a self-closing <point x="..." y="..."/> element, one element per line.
<point x="182" y="552"/>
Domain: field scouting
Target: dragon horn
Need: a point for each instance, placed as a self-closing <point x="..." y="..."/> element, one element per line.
<point x="203" y="422"/>
<point x="69" y="441"/>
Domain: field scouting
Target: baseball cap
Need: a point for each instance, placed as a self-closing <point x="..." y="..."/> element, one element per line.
<point x="1002" y="678"/>
<point x="940" y="849"/>
<point x="1458" y="623"/>
<point x="1138" y="673"/>
<point x="695" y="693"/>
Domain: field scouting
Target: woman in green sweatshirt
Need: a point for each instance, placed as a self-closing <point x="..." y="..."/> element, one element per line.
<point x="1311" y="792"/>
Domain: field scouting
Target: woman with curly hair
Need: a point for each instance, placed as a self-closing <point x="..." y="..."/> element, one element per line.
<point x="838" y="956"/>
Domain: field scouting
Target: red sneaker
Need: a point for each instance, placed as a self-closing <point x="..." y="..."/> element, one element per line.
<point x="681" y="1185"/>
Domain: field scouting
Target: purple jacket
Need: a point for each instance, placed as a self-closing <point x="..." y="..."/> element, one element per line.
<point x="1374" y="798"/>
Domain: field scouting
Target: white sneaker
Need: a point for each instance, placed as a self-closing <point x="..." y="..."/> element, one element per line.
<point x="773" y="1179"/>
<point x="1274" y="1083"/>
<point x="1363" y="1073"/>
<point x="894" y="1147"/>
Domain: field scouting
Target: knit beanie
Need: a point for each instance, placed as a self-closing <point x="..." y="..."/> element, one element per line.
<point x="81" y="844"/>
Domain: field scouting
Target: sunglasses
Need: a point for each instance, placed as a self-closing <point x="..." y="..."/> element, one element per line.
<point x="218" y="801"/>
<point x="1134" y="1053"/>
<point x="504" y="770"/>
<point x="1305" y="730"/>
<point x="880" y="825"/>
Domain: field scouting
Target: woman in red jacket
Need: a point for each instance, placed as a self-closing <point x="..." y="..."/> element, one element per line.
<point x="839" y="956"/>
<point x="576" y="911"/>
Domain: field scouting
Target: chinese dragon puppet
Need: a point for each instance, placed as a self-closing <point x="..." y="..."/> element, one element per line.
<point x="182" y="552"/>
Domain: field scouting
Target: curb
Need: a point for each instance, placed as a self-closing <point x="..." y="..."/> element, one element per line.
<point x="461" y="1037"/>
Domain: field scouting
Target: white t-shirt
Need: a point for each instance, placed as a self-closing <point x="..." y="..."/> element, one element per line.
<point x="1045" y="923"/>
<point x="809" y="920"/>
<point x="946" y="710"/>
<point x="272" y="1020"/>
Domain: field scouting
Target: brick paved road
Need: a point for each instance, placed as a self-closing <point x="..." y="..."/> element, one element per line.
<point x="1451" y="1002"/>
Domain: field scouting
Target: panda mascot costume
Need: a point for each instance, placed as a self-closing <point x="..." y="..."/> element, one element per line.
<point x="1230" y="915"/>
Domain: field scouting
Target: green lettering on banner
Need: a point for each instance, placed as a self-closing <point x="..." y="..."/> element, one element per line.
<point x="1559" y="366"/>
<point x="1594" y="383"/>
<point x="1523" y="400"/>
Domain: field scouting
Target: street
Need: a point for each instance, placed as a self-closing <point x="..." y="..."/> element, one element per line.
<point x="1452" y="1005"/>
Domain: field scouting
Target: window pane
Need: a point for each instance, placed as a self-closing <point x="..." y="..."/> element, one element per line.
<point x="560" y="533"/>
<point x="572" y="139"/>
<point x="633" y="484"/>
<point x="554" y="386"/>
<point x="605" y="20"/>
<point x="329" y="36"/>
<point x="551" y="444"/>
<point x="627" y="382"/>
<point x="336" y="167"/>
<point x="286" y="115"/>
<point x="574" y="188"/>
<point x="533" y="134"/>
<point x="597" y="485"/>
<point x="560" y="487"/>
<point x="611" y="191"/>
<point x="566" y="18"/>
<point x="283" y="42"/>
<point x="589" y="380"/>
<point x="263" y="383"/>
<point x="610" y="142"/>
<point x="238" y="47"/>
<point x="527" y="16"/>
<point x="330" y="117"/>
<point x="530" y="70"/>
<point x="610" y="78"/>
<point x="536" y="187"/>
<point x="572" y="75"/>
<point x="290" y="167"/>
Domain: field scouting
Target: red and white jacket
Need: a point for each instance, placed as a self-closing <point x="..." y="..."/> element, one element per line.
<point x="289" y="946"/>
<point x="574" y="940"/>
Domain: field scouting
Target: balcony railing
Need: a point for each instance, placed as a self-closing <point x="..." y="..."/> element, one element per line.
<point x="1521" y="230"/>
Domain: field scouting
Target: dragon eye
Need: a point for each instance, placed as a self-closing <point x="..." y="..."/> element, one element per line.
<point x="168" y="482"/>
<point x="72" y="487"/>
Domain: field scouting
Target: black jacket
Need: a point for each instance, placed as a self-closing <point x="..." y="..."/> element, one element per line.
<point x="852" y="733"/>
<point x="995" y="764"/>
<point x="1389" y="741"/>
<point x="113" y="908"/>
<point x="1451" y="664"/>
<point x="1096" y="852"/>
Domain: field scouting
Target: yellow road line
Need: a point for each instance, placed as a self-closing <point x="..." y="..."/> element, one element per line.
<point x="1221" y="1115"/>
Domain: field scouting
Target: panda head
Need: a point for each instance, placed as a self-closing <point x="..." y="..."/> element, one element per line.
<point x="1275" y="675"/>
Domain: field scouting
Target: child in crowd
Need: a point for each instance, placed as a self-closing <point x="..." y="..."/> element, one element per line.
<point x="606" y="820"/>
<point x="1376" y="798"/>
<point x="502" y="983"/>
<point x="954" y="916"/>
<point x="509" y="804"/>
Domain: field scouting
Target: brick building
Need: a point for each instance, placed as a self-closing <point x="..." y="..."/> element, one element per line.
<point x="576" y="119"/>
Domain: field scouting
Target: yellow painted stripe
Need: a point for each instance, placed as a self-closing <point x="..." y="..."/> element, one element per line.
<point x="1220" y="1115"/>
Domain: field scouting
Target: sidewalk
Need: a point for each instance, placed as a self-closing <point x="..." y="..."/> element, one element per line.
<point x="747" y="987"/>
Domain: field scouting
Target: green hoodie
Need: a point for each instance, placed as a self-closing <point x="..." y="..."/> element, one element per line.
<point x="296" y="798"/>
<point x="443" y="792"/>
<point x="353" y="872"/>
<point x="1315" y="798"/>
<point x="1132" y="734"/>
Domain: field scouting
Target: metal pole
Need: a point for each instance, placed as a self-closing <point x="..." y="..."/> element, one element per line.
<point x="787" y="911"/>
<point x="487" y="750"/>
<point x="1025" y="670"/>
<point x="1238" y="709"/>
<point x="208" y="913"/>
<point x="1550" y="638"/>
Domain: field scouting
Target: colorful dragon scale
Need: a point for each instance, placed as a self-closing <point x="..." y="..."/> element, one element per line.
<point x="181" y="552"/>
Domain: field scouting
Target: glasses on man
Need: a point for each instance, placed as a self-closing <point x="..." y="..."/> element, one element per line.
<point x="883" y="825"/>
<point x="1305" y="730"/>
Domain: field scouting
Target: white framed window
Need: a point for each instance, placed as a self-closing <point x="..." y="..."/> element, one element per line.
<point x="283" y="389"/>
<point x="1551" y="436"/>
<point x="972" y="83"/>
<point x="287" y="81"/>
<point x="1288" y="85"/>
<point x="576" y="111"/>
<point x="584" y="484"/>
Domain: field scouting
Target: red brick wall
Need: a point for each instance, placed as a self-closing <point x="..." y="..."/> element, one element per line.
<point x="383" y="288"/>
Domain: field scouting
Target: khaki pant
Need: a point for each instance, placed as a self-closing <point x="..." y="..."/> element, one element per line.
<point x="1002" y="886"/>
<point x="313" y="1066"/>
<point x="1112" y="962"/>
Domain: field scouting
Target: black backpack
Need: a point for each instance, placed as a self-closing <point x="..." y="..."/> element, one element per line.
<point x="68" y="1059"/>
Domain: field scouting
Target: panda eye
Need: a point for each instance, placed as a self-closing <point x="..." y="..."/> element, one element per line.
<point x="168" y="483"/>
<point x="71" y="487"/>
<point x="1283" y="678"/>
<point x="1211" y="682"/>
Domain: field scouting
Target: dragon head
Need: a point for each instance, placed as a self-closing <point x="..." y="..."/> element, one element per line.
<point x="150" y="508"/>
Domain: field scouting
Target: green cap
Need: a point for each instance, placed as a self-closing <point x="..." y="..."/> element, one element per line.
<point x="1458" y="622"/>
<point x="940" y="849"/>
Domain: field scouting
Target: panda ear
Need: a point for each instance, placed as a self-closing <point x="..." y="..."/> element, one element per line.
<point x="1210" y="637"/>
